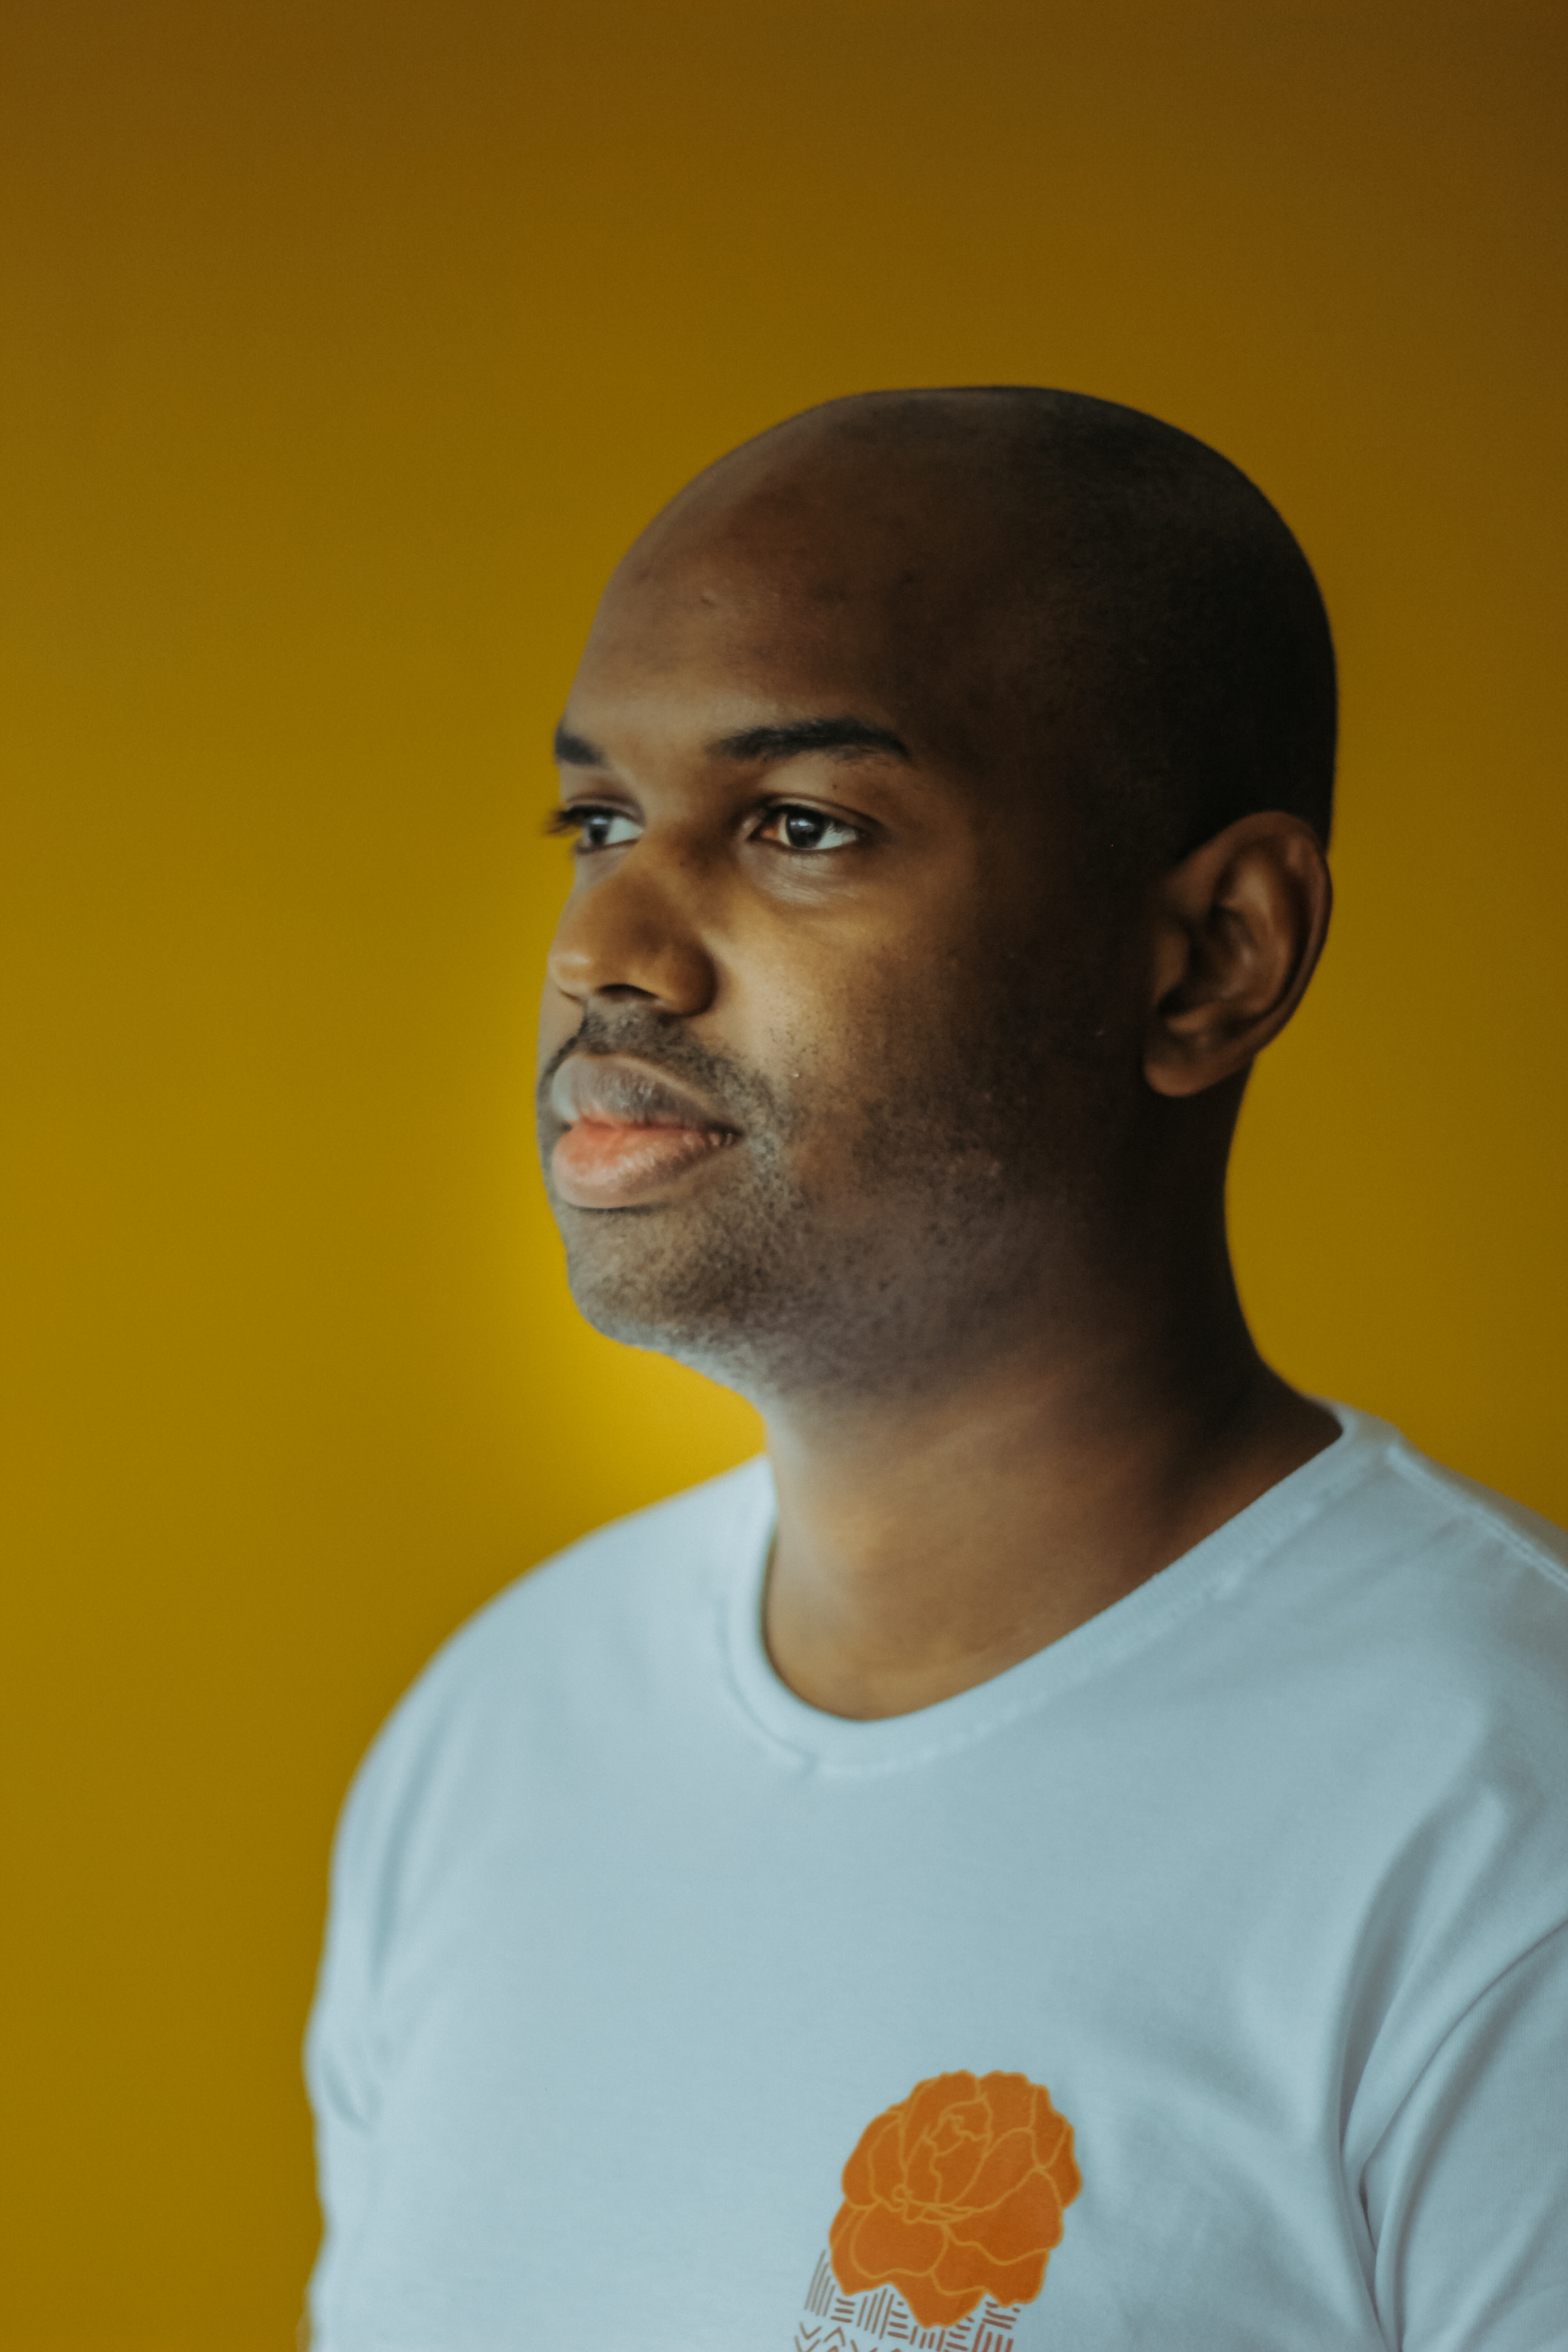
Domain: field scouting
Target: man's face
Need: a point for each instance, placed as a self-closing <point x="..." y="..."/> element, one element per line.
<point x="833" y="1054"/>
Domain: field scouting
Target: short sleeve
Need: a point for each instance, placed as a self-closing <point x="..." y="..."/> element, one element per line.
<point x="1467" y="2194"/>
<point x="340" y="2072"/>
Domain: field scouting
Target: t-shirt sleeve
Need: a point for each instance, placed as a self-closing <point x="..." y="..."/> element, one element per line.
<point x="1467" y="2194"/>
<point x="340" y="2072"/>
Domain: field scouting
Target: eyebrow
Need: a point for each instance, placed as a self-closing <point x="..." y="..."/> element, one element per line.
<point x="799" y="736"/>
<point x="572" y="752"/>
<point x="791" y="741"/>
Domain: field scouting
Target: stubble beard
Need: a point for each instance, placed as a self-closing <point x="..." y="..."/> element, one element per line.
<point x="849" y="1246"/>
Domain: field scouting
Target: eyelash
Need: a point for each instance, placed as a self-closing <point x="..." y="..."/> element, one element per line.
<point x="571" y="819"/>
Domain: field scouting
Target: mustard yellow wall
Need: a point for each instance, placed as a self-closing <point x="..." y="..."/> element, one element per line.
<point x="346" y="342"/>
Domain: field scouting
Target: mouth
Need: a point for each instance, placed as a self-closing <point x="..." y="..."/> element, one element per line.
<point x="631" y="1131"/>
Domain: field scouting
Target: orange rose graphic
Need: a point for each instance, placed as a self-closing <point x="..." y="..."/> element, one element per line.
<point x="955" y="2194"/>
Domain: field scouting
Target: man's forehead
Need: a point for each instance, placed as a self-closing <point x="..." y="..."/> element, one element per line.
<point x="769" y="590"/>
<point x="824" y="534"/>
<point x="760" y="624"/>
<point x="818" y="580"/>
<point x="770" y="700"/>
<point x="730" y="651"/>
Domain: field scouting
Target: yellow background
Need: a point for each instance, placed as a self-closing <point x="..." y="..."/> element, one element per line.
<point x="347" y="343"/>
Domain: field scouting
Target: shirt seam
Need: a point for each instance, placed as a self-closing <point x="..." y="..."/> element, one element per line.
<point x="1431" y="1477"/>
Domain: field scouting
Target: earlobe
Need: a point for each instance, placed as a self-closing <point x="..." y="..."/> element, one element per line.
<point x="1237" y="930"/>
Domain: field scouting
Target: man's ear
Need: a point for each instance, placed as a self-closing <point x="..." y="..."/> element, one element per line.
<point x="1236" y="928"/>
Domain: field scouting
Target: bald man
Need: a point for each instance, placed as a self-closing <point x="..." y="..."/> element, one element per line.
<point x="1072" y="1849"/>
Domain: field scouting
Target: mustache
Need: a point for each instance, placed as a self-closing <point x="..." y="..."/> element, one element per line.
<point x="742" y="1099"/>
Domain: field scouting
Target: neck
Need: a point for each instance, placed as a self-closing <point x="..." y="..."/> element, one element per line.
<point x="931" y="1540"/>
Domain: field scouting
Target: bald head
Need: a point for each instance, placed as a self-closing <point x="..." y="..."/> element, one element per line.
<point x="1061" y="584"/>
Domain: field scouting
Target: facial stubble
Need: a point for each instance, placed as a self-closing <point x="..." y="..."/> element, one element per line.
<point x="855" y="1241"/>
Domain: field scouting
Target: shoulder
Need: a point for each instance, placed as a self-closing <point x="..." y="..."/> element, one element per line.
<point x="1404" y="1626"/>
<point x="627" y="1581"/>
<point x="1441" y="1608"/>
<point x="1376" y="1499"/>
<point x="603" y="1632"/>
<point x="1499" y="1604"/>
<point x="1490" y="1522"/>
<point x="1472" y="1558"/>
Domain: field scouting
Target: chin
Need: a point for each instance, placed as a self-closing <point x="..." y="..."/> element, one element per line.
<point x="684" y="1275"/>
<point x="825" y="1342"/>
<point x="690" y="1314"/>
<point x="768" y="1298"/>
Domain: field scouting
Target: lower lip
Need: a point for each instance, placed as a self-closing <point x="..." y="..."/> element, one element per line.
<point x="595" y="1166"/>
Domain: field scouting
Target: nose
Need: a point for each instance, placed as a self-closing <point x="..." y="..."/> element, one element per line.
<point x="630" y="934"/>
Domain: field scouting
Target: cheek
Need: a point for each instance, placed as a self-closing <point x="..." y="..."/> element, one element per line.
<point x="856" y="1046"/>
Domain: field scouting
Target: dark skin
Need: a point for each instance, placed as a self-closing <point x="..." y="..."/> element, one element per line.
<point x="960" y="1231"/>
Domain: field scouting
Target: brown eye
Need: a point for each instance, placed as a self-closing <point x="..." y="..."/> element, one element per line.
<point x="807" y="830"/>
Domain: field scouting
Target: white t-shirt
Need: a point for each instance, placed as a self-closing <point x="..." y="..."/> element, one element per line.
<point x="1198" y="1985"/>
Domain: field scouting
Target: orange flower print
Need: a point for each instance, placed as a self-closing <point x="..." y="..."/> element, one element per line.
<point x="955" y="2194"/>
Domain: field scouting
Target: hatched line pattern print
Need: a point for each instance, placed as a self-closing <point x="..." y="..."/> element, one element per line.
<point x="952" y="2206"/>
<point x="883" y="2322"/>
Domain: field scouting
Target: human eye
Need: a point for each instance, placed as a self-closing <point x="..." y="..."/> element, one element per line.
<point x="594" y="826"/>
<point x="793" y="825"/>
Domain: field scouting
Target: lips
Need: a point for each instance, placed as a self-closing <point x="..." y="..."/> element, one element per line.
<point x="630" y="1131"/>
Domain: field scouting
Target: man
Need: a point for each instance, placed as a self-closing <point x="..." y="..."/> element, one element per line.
<point x="1072" y="1850"/>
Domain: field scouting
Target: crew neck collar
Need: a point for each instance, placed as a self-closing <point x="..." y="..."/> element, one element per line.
<point x="807" y="1738"/>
